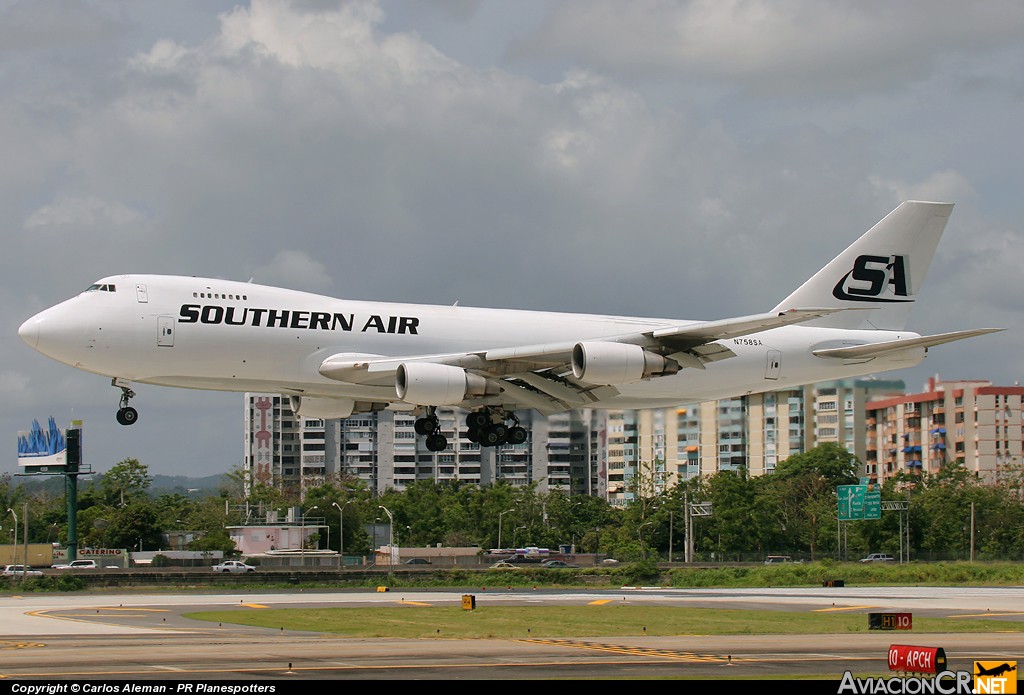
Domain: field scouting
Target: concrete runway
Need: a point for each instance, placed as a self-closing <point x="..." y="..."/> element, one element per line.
<point x="127" y="638"/>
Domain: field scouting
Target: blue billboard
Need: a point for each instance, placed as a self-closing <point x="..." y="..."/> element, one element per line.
<point x="39" y="447"/>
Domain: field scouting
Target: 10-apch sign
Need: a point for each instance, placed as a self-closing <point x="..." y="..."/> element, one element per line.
<point x="41" y="448"/>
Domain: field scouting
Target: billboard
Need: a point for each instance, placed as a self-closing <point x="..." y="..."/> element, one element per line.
<point x="39" y="447"/>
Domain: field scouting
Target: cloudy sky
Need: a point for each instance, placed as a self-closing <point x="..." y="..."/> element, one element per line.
<point x="694" y="159"/>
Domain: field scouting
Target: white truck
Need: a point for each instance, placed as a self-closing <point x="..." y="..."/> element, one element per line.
<point x="78" y="565"/>
<point x="20" y="571"/>
<point x="878" y="557"/>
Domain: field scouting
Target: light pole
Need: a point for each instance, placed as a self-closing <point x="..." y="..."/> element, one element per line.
<point x="391" y="537"/>
<point x="499" y="526"/>
<point x="341" y="529"/>
<point x="15" y="543"/>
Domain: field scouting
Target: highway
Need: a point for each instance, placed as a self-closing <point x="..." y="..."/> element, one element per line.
<point x="132" y="637"/>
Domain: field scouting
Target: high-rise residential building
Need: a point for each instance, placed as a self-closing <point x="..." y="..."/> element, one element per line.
<point x="623" y="455"/>
<point x="382" y="450"/>
<point x="969" y="421"/>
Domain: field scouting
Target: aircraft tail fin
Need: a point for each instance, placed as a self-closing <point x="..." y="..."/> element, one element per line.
<point x="882" y="271"/>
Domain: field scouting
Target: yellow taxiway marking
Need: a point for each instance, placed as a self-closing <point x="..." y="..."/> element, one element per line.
<point x="12" y="644"/>
<point x="635" y="651"/>
<point x="986" y="615"/>
<point x="414" y="603"/>
<point x="253" y="605"/>
<point x="600" y="602"/>
<point x="842" y="608"/>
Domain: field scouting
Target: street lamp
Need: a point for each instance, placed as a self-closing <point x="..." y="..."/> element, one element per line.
<point x="499" y="526"/>
<point x="15" y="543"/>
<point x="391" y="537"/>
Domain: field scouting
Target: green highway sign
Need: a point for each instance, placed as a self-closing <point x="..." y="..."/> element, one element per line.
<point x="859" y="502"/>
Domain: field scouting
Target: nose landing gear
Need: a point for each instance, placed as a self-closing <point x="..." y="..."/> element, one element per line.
<point x="126" y="415"/>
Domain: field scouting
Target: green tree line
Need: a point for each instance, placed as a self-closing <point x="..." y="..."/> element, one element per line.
<point x="950" y="514"/>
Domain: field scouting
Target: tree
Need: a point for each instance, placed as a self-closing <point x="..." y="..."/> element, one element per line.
<point x="804" y="488"/>
<point x="125" y="482"/>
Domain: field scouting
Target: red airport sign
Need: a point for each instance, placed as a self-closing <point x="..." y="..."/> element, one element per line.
<point x="909" y="659"/>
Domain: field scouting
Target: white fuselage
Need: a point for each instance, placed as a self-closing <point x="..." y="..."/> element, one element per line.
<point x="231" y="336"/>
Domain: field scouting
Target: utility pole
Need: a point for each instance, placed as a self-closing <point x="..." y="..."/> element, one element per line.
<point x="670" y="523"/>
<point x="14" y="539"/>
<point x="391" y="539"/>
<point x="24" y="531"/>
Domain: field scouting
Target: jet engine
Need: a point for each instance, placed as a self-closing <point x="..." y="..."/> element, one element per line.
<point x="425" y="383"/>
<point x="330" y="408"/>
<point x="618" y="363"/>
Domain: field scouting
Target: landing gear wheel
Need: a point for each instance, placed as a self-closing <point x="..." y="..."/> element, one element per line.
<point x="501" y="430"/>
<point x="437" y="442"/>
<point x="492" y="436"/>
<point x="516" y="435"/>
<point x="473" y="435"/>
<point x="426" y="425"/>
<point x="478" y="420"/>
<point x="127" y="416"/>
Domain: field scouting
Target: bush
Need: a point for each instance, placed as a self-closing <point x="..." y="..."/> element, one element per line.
<point x="160" y="561"/>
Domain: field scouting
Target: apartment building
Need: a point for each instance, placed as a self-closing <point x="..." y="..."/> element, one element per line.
<point x="621" y="455"/>
<point x="382" y="449"/>
<point x="970" y="421"/>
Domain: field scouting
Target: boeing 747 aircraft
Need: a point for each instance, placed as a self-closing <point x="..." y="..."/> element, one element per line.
<point x="335" y="357"/>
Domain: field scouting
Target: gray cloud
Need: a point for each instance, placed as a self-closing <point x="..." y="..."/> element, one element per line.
<point x="691" y="160"/>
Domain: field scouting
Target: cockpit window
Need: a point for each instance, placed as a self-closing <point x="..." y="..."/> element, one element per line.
<point x="102" y="288"/>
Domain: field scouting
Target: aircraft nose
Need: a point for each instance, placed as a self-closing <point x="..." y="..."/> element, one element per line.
<point x="29" y="332"/>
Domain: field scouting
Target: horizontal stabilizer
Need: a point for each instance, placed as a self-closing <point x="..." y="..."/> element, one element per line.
<point x="889" y="346"/>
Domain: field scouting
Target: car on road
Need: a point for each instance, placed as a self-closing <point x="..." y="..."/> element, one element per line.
<point x="558" y="564"/>
<point x="20" y="571"/>
<point x="878" y="557"/>
<point x="777" y="559"/>
<point x="78" y="565"/>
<point x="233" y="566"/>
<point x="418" y="561"/>
<point x="502" y="565"/>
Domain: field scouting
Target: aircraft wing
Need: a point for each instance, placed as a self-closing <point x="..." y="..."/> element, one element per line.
<point x="539" y="376"/>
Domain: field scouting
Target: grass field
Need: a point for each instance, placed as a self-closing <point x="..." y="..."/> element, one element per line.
<point x="413" y="620"/>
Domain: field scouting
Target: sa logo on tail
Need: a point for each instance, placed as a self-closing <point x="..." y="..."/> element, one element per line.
<point x="877" y="271"/>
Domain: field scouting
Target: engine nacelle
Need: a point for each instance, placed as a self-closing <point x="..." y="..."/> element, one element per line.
<point x="617" y="363"/>
<point x="330" y="408"/>
<point x="425" y="383"/>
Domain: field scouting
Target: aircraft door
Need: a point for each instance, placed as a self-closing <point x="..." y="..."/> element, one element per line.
<point x="165" y="331"/>
<point x="774" y="365"/>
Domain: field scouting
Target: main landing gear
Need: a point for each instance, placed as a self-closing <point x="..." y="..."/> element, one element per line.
<point x="486" y="427"/>
<point x="126" y="415"/>
<point x="431" y="427"/>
